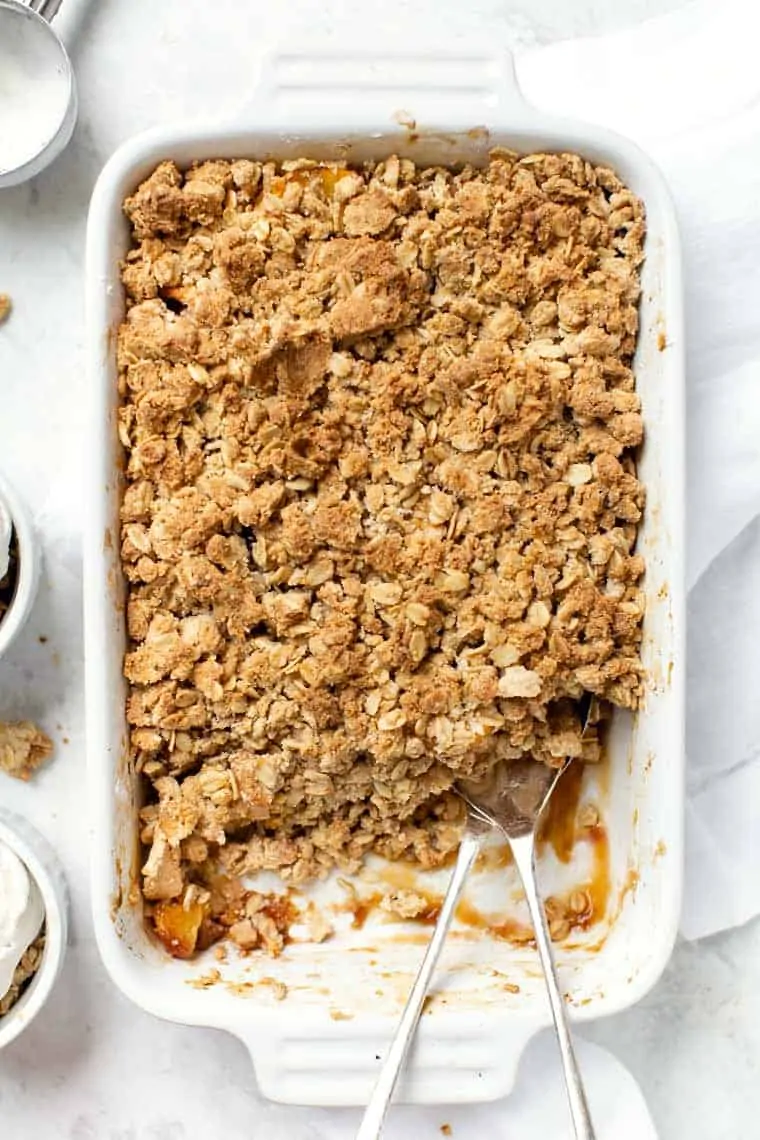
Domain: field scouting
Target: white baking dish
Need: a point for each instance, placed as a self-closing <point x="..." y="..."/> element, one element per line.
<point x="322" y="1045"/>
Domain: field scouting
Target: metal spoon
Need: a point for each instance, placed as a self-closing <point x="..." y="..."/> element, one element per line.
<point x="512" y="798"/>
<point x="46" y="8"/>
<point x="476" y="828"/>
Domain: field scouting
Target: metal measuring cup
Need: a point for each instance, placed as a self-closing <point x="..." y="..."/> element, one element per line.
<point x="28" y="24"/>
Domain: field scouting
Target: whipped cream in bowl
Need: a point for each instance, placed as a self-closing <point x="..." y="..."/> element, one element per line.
<point x="33" y="900"/>
<point x="22" y="915"/>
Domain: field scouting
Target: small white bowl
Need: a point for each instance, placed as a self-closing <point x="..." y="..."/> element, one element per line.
<point x="42" y="864"/>
<point x="32" y="23"/>
<point x="28" y="567"/>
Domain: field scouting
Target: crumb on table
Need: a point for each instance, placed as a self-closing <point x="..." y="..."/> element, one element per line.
<point x="6" y="306"/>
<point x="23" y="748"/>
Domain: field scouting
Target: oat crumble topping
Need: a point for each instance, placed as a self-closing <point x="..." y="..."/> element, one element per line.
<point x="29" y="964"/>
<point x="381" y="504"/>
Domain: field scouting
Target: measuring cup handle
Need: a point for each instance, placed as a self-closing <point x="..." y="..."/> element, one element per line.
<point x="45" y="8"/>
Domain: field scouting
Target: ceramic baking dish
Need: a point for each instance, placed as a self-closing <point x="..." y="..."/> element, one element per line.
<point x="323" y="1043"/>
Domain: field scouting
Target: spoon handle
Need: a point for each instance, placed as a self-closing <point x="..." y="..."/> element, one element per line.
<point x="46" y="8"/>
<point x="523" y="853"/>
<point x="372" y="1121"/>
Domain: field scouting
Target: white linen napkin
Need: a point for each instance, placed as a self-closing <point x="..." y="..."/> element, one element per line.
<point x="686" y="87"/>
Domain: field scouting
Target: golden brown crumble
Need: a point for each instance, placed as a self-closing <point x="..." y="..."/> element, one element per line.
<point x="405" y="904"/>
<point x="23" y="748"/>
<point x="28" y="965"/>
<point x="381" y="503"/>
<point x="6" y="305"/>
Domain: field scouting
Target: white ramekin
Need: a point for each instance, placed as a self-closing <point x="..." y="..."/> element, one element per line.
<point x="28" y="567"/>
<point x="43" y="865"/>
<point x="40" y="15"/>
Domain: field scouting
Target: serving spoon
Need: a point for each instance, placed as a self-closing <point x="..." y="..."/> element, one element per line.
<point x="511" y="799"/>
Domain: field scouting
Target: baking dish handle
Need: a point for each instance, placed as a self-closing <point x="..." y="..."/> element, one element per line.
<point x="454" y="88"/>
<point x="317" y="1063"/>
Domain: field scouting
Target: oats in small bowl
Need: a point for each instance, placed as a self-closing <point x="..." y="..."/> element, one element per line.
<point x="8" y="560"/>
<point x="19" y="565"/>
<point x="24" y="971"/>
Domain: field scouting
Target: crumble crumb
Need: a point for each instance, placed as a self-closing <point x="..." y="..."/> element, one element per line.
<point x="205" y="981"/>
<point x="381" y="504"/>
<point x="23" y="748"/>
<point x="6" y="306"/>
<point x="407" y="904"/>
<point x="29" y="964"/>
<point x="278" y="988"/>
<point x="318" y="927"/>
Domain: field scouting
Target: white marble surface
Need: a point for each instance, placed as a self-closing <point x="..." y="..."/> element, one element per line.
<point x="93" y="1067"/>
